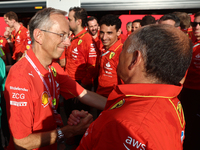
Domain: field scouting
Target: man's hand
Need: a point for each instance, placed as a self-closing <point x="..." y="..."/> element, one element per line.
<point x="76" y="116"/>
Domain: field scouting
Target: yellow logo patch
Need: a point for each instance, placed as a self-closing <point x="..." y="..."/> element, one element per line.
<point x="54" y="71"/>
<point x="27" y="47"/>
<point x="111" y="55"/>
<point x="19" y="31"/>
<point x="45" y="99"/>
<point x="118" y="104"/>
<point x="79" y="42"/>
<point x="1" y="41"/>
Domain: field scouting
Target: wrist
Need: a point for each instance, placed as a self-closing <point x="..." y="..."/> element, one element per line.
<point x="60" y="136"/>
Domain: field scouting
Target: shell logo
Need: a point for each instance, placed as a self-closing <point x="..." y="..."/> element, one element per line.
<point x="27" y="47"/>
<point x="45" y="99"/>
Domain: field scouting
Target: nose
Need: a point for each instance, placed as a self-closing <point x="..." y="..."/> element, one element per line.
<point x="67" y="42"/>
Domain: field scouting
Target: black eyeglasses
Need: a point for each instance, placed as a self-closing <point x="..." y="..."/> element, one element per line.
<point x="63" y="36"/>
<point x="194" y="24"/>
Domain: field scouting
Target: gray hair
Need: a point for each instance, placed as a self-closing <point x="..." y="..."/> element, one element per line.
<point x="41" y="20"/>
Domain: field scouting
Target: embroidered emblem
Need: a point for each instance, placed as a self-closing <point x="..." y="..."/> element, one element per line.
<point x="79" y="42"/>
<point x="111" y="55"/>
<point x="54" y="71"/>
<point x="45" y="99"/>
<point x="118" y="104"/>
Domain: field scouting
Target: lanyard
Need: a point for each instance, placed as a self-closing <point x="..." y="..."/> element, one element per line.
<point x="44" y="82"/>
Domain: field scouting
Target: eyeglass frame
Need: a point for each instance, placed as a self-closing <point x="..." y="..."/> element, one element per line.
<point x="61" y="35"/>
<point x="196" y="23"/>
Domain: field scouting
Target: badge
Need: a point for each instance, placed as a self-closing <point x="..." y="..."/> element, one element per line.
<point x="54" y="101"/>
<point x="27" y="47"/>
<point x="118" y="104"/>
<point x="54" y="71"/>
<point x="111" y="55"/>
<point x="1" y="41"/>
<point x="45" y="99"/>
<point x="79" y="42"/>
<point x="19" y="31"/>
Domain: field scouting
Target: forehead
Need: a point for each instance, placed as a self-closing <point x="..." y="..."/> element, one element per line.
<point x="92" y="22"/>
<point x="60" y="22"/>
<point x="106" y="28"/>
<point x="71" y="14"/>
<point x="136" y="24"/>
<point x="197" y="19"/>
<point x="169" y="21"/>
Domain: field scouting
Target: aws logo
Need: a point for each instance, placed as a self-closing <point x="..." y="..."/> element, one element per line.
<point x="131" y="143"/>
<point x="45" y="99"/>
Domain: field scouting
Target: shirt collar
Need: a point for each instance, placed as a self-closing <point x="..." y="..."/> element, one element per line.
<point x="114" y="46"/>
<point x="41" y="68"/>
<point x="145" y="90"/>
<point x="83" y="31"/>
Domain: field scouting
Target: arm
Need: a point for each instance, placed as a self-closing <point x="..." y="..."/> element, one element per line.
<point x="36" y="140"/>
<point x="92" y="99"/>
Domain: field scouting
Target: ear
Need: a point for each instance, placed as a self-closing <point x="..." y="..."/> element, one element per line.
<point x="38" y="36"/>
<point x="136" y="60"/>
<point x="79" y="21"/>
<point x="119" y="32"/>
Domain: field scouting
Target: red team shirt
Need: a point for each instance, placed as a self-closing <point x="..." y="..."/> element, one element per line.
<point x="28" y="106"/>
<point x="19" y="41"/>
<point x="143" y="117"/>
<point x="192" y="80"/>
<point x="108" y="69"/>
<point x="81" y="58"/>
<point x="4" y="45"/>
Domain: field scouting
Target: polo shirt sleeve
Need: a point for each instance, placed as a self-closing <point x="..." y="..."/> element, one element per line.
<point x="68" y="87"/>
<point x="113" y="135"/>
<point x="19" y="106"/>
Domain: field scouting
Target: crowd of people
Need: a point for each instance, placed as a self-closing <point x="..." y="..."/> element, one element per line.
<point x="143" y="85"/>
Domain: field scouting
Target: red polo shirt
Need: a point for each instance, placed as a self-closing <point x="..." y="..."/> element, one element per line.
<point x="81" y="58"/>
<point x="143" y="117"/>
<point x="192" y="80"/>
<point x="4" y="45"/>
<point x="108" y="69"/>
<point x="19" y="41"/>
<point x="28" y="106"/>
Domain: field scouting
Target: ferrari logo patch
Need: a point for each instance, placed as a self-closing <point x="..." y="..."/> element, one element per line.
<point x="79" y="42"/>
<point x="111" y="55"/>
<point x="1" y="41"/>
<point x="118" y="104"/>
<point x="45" y="100"/>
<point x="54" y="71"/>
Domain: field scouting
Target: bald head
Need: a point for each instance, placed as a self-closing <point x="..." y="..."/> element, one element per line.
<point x="166" y="52"/>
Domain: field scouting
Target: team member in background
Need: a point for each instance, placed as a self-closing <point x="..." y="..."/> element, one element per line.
<point x="18" y="36"/>
<point x="93" y="27"/>
<point x="34" y="84"/>
<point x="5" y="47"/>
<point x="170" y="19"/>
<point x="147" y="114"/>
<point x="136" y="24"/>
<point x="190" y="93"/>
<point x="110" y="29"/>
<point x="129" y="28"/>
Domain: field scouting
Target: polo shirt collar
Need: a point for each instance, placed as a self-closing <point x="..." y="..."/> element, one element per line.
<point x="146" y="90"/>
<point x="41" y="68"/>
<point x="83" y="31"/>
<point x="115" y="46"/>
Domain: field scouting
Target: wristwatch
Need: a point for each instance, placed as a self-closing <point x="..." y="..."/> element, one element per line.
<point x="61" y="138"/>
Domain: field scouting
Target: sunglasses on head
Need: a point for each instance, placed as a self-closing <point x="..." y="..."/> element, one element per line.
<point x="194" y="24"/>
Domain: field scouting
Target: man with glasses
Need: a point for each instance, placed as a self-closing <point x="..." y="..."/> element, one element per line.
<point x="35" y="82"/>
<point x="190" y="93"/>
